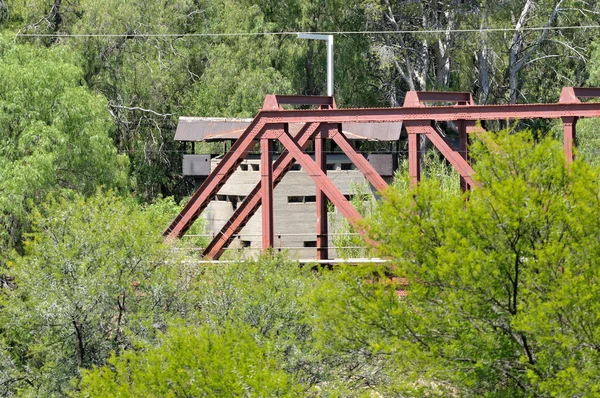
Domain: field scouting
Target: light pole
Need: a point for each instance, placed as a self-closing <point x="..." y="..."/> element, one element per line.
<point x="329" y="40"/>
<point x="321" y="154"/>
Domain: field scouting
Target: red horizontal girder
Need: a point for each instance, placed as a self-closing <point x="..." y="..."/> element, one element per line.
<point x="418" y="119"/>
<point x="437" y="113"/>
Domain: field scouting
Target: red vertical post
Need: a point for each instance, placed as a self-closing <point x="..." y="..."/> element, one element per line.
<point x="322" y="230"/>
<point x="570" y="136"/>
<point x="414" y="158"/>
<point x="266" y="179"/>
<point x="463" y="145"/>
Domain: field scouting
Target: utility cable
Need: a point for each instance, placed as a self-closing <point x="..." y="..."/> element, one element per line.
<point x="254" y="34"/>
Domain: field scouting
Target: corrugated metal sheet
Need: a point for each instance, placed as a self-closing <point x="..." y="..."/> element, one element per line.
<point x="219" y="129"/>
<point x="197" y="128"/>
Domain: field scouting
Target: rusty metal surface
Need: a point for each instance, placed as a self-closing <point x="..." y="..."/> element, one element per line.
<point x="414" y="152"/>
<point x="463" y="147"/>
<point x="211" y="129"/>
<point x="275" y="101"/>
<point x="570" y="137"/>
<point x="460" y="164"/>
<point x="417" y="118"/>
<point x="197" y="128"/>
<point x="326" y="185"/>
<point x="266" y="180"/>
<point x="361" y="163"/>
<point x="437" y="113"/>
<point x="571" y="95"/>
<point x="419" y="98"/>
<point x="321" y="199"/>
<point x="314" y="171"/>
<point x="239" y="150"/>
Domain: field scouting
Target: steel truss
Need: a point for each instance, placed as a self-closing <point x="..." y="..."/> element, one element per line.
<point x="325" y="123"/>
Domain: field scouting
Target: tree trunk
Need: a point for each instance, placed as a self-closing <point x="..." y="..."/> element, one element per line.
<point x="484" y="74"/>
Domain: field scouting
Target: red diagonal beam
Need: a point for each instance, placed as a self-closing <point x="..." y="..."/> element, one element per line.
<point x="455" y="158"/>
<point x="250" y="205"/>
<point x="215" y="180"/>
<point x="326" y="185"/>
<point x="360" y="162"/>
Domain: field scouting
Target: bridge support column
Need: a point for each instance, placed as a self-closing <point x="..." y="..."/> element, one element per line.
<point x="414" y="150"/>
<point x="266" y="179"/>
<point x="463" y="148"/>
<point x="322" y="228"/>
<point x="570" y="136"/>
<point x="414" y="158"/>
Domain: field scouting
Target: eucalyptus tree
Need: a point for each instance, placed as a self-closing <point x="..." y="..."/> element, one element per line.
<point x="55" y="134"/>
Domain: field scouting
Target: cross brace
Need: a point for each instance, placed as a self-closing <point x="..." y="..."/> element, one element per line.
<point x="250" y="205"/>
<point x="271" y="124"/>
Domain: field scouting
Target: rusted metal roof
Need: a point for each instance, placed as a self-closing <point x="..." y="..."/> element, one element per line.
<point x="198" y="128"/>
<point x="220" y="129"/>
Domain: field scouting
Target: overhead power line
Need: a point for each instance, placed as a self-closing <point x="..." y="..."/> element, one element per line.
<point x="254" y="34"/>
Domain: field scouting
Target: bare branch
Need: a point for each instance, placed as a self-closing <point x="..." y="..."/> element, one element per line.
<point x="542" y="37"/>
<point x="137" y="108"/>
<point x="542" y="57"/>
<point x="570" y="47"/>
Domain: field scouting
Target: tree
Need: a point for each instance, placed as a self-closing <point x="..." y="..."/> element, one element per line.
<point x="94" y="279"/>
<point x="269" y="295"/>
<point x="240" y="70"/>
<point x="54" y="134"/>
<point x="193" y="361"/>
<point x="150" y="81"/>
<point x="501" y="295"/>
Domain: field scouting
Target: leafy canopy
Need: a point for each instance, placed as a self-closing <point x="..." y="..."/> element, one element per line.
<point x="54" y="134"/>
<point x="502" y="289"/>
<point x="94" y="279"/>
<point x="193" y="361"/>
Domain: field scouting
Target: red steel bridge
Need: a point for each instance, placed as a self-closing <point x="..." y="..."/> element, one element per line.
<point x="325" y="121"/>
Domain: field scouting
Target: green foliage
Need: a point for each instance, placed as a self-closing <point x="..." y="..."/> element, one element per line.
<point x="502" y="294"/>
<point x="54" y="134"/>
<point x="594" y="64"/>
<point x="164" y="210"/>
<point x="359" y="332"/>
<point x="144" y="80"/>
<point x="268" y="295"/>
<point x="239" y="71"/>
<point x="347" y="244"/>
<point x="501" y="287"/>
<point x="433" y="167"/>
<point x="193" y="361"/>
<point x="255" y="308"/>
<point x="93" y="279"/>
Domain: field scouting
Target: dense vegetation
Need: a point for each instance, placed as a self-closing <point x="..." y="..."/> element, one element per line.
<point x="490" y="293"/>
